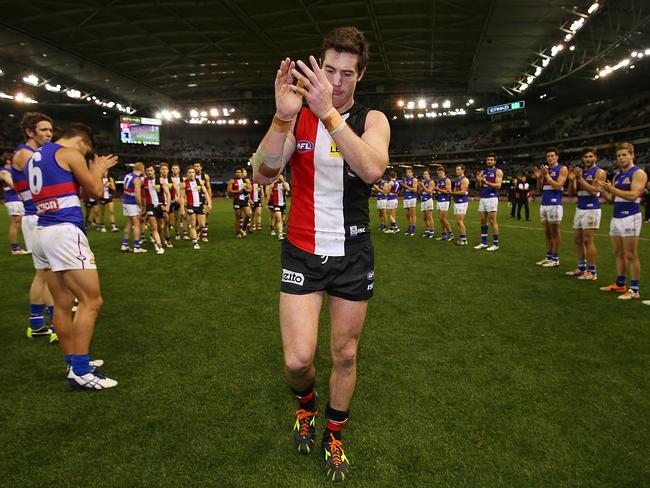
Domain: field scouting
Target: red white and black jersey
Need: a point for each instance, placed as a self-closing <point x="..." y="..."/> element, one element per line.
<point x="193" y="193"/>
<point x="278" y="194"/>
<point x="164" y="183"/>
<point x="239" y="185"/>
<point x="256" y="194"/>
<point x="329" y="210"/>
<point x="152" y="192"/>
<point x="175" y="180"/>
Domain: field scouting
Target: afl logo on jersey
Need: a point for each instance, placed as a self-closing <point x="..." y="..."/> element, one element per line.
<point x="304" y="146"/>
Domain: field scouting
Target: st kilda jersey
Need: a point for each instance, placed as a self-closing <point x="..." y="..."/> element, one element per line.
<point x="329" y="209"/>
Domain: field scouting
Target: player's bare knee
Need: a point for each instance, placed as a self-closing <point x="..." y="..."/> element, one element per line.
<point x="298" y="366"/>
<point x="345" y="360"/>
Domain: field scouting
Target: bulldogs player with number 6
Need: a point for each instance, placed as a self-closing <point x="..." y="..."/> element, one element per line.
<point x="328" y="247"/>
<point x="60" y="246"/>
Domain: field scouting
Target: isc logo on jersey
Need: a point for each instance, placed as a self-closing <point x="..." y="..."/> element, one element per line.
<point x="304" y="146"/>
<point x="292" y="277"/>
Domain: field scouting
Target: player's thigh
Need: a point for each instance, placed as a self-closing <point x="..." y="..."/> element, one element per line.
<point x="153" y="223"/>
<point x="492" y="217"/>
<point x="61" y="294"/>
<point x="84" y="283"/>
<point x="630" y="245"/>
<point x="299" y="318"/>
<point x="347" y="318"/>
<point x="483" y="216"/>
<point x="617" y="244"/>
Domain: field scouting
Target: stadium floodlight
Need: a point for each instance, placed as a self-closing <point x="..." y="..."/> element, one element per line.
<point x="5" y="95"/>
<point x="634" y="53"/>
<point x="538" y="70"/>
<point x="1" y="72"/>
<point x="194" y="113"/>
<point x="556" y="49"/>
<point x="231" y="122"/>
<point x="204" y="113"/>
<point x="434" y="105"/>
<point x="545" y="62"/>
<point x="470" y="101"/>
<point x="523" y="86"/>
<point x="422" y="103"/>
<point x="410" y="105"/>
<point x="31" y="80"/>
<point x="256" y="122"/>
<point x="568" y="37"/>
<point x="594" y="6"/>
<point x="72" y="93"/>
<point x="420" y="115"/>
<point x="225" y="112"/>
<point x="176" y="114"/>
<point x="530" y="79"/>
<point x="19" y="97"/>
<point x="53" y="88"/>
<point x="446" y="104"/>
<point x="400" y="103"/>
<point x="214" y="112"/>
<point x="158" y="115"/>
<point x="572" y="48"/>
<point x="647" y="52"/>
<point x="577" y="24"/>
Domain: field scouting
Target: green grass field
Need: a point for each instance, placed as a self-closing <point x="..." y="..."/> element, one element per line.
<point x="475" y="369"/>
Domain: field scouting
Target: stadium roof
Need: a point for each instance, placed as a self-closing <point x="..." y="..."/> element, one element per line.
<point x="152" y="53"/>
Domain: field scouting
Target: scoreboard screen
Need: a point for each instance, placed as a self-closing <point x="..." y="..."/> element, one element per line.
<point x="140" y="130"/>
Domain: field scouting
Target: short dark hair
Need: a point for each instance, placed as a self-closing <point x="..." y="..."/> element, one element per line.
<point x="461" y="166"/>
<point x="164" y="164"/>
<point x="491" y="155"/>
<point x="238" y="168"/>
<point x="393" y="174"/>
<point x="588" y="150"/>
<point x="348" y="40"/>
<point x="149" y="165"/>
<point x="77" y="129"/>
<point x="7" y="157"/>
<point x="552" y="150"/>
<point x="30" y="120"/>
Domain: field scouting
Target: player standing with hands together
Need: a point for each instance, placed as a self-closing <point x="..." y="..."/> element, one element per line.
<point x="328" y="247"/>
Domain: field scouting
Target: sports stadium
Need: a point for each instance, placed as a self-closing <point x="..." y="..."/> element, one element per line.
<point x="369" y="221"/>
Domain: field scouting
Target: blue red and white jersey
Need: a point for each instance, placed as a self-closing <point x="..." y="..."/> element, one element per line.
<point x="551" y="196"/>
<point x="393" y="189"/>
<point x="408" y="194"/>
<point x="329" y="211"/>
<point x="10" y="194"/>
<point x="425" y="197"/>
<point x="193" y="193"/>
<point x="54" y="190"/>
<point x="239" y="185"/>
<point x="277" y="194"/>
<point x="623" y="207"/>
<point x="128" y="196"/>
<point x="458" y="186"/>
<point x="20" y="184"/>
<point x="587" y="201"/>
<point x="490" y="174"/>
<point x="381" y="195"/>
<point x="442" y="185"/>
<point x="256" y="194"/>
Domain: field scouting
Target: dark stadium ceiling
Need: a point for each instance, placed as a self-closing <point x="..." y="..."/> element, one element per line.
<point x="157" y="53"/>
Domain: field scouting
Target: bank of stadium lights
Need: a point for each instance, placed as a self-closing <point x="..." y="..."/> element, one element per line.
<point x="627" y="62"/>
<point x="18" y="97"/>
<point x="545" y="59"/>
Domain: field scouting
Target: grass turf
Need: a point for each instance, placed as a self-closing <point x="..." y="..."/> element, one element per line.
<point x="475" y="369"/>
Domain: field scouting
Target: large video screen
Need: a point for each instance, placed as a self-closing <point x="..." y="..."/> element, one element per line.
<point x="140" y="130"/>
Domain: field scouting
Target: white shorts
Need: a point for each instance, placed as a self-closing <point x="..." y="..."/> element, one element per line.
<point x="426" y="206"/>
<point x="61" y="247"/>
<point x="629" y="226"/>
<point x="551" y="213"/>
<point x="391" y="204"/>
<point x="443" y="206"/>
<point x="488" y="204"/>
<point x="130" y="210"/>
<point x="28" y="225"/>
<point x="460" y="208"/>
<point x="381" y="204"/>
<point x="587" y="219"/>
<point x="409" y="202"/>
<point x="15" y="208"/>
